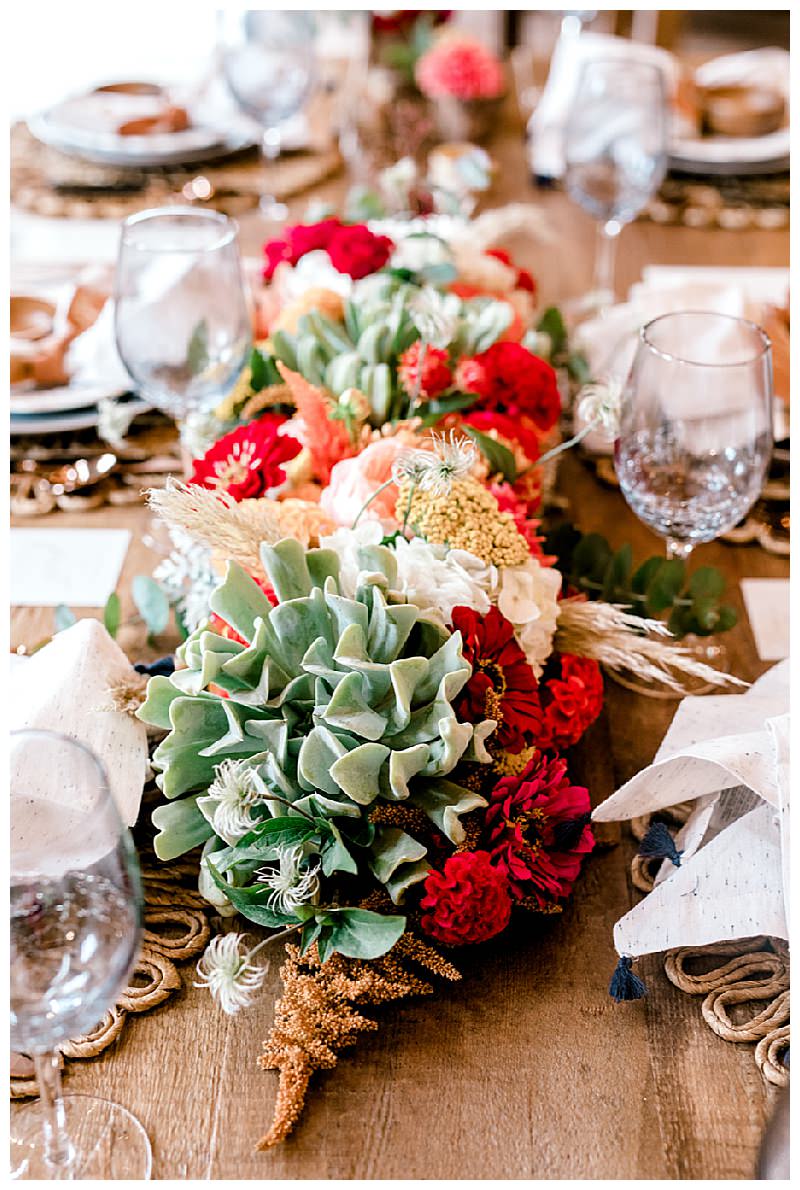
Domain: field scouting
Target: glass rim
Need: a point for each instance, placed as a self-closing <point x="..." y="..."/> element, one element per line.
<point x="229" y="228"/>
<point x="58" y="737"/>
<point x="765" y="348"/>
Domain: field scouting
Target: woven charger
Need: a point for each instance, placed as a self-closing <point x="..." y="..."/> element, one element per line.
<point x="47" y="182"/>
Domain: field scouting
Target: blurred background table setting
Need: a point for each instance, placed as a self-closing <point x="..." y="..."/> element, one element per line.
<point x="358" y="228"/>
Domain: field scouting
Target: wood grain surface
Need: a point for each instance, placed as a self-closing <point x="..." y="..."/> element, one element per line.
<point x="526" y="1069"/>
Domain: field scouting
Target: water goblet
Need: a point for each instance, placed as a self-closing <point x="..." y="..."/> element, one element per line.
<point x="75" y="908"/>
<point x="695" y="434"/>
<point x="615" y="152"/>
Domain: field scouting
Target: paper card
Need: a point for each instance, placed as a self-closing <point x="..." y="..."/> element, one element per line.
<point x="77" y="567"/>
<point x="767" y="603"/>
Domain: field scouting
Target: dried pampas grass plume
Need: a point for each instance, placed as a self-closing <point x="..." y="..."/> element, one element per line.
<point x="235" y="531"/>
<point x="624" y="642"/>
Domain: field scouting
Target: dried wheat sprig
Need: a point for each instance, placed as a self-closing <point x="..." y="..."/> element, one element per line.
<point x="235" y="531"/>
<point x="621" y="641"/>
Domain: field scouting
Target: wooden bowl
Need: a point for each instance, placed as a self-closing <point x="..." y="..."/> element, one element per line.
<point x="741" y="110"/>
<point x="31" y="317"/>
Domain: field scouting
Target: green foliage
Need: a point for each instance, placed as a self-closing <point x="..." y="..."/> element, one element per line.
<point x="151" y="603"/>
<point x="112" y="614"/>
<point x="64" y="617"/>
<point x="499" y="457"/>
<point x="658" y="586"/>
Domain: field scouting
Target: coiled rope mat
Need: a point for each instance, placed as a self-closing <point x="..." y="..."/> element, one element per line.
<point x="751" y="974"/>
<point x="176" y="929"/>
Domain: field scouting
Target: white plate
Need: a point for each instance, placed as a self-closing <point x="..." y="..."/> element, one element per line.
<point x="54" y="423"/>
<point x="67" y="398"/>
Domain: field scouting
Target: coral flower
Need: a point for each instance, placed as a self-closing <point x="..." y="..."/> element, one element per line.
<point x="502" y="685"/>
<point x="435" y="377"/>
<point x="468" y="901"/>
<point x="247" y="463"/>
<point x="538" y="831"/>
<point x="353" y="481"/>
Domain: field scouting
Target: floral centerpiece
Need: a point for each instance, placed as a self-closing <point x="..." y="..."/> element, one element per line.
<point x="366" y="728"/>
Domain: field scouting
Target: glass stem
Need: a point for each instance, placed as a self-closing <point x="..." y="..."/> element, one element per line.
<point x="678" y="549"/>
<point x="57" y="1147"/>
<point x="270" y="207"/>
<point x="605" y="258"/>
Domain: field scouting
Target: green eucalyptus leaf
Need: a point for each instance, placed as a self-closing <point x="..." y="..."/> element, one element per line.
<point x="617" y="574"/>
<point x="363" y="934"/>
<point x="64" y="617"/>
<point x="112" y="614"/>
<point x="151" y="603"/>
<point x="665" y="586"/>
<point x="499" y="457"/>
<point x="708" y="582"/>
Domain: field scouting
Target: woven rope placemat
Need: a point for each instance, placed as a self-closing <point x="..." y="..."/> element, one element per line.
<point x="48" y="182"/>
<point x="744" y="984"/>
<point x="176" y="929"/>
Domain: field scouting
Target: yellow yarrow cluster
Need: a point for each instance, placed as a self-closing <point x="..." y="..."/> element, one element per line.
<point x="465" y="517"/>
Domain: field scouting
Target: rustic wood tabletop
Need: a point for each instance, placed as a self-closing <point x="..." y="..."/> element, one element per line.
<point x="526" y="1069"/>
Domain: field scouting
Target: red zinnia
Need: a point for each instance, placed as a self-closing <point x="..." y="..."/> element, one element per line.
<point x="357" y="251"/>
<point x="571" y="692"/>
<point x="468" y="901"/>
<point x="538" y="830"/>
<point x="247" y="462"/>
<point x="513" y="380"/>
<point x="501" y="678"/>
<point x="436" y="374"/>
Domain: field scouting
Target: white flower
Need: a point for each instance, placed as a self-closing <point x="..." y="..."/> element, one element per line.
<point x="292" y="885"/>
<point x="436" y="470"/>
<point x="436" y="316"/>
<point x="527" y="595"/>
<point x="235" y="790"/>
<point x="228" y="972"/>
<point x="599" y="406"/>
<point x="396" y="182"/>
<point x="114" y="419"/>
<point x="188" y="578"/>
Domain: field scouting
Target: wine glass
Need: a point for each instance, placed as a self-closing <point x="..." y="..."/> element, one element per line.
<point x="267" y="61"/>
<point x="695" y="433"/>
<point x="75" y="919"/>
<point x="181" y="316"/>
<point x="615" y="152"/>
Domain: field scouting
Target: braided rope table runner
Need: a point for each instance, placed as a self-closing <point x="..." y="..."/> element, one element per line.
<point x="176" y="929"/>
<point x="750" y="972"/>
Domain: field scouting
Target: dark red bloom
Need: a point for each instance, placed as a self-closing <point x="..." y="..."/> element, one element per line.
<point x="357" y="251"/>
<point x="571" y="691"/>
<point x="296" y="241"/>
<point x="467" y="901"/>
<point x="510" y="379"/>
<point x="247" y="462"/>
<point x="538" y="830"/>
<point x="514" y="430"/>
<point x="503" y="685"/>
<point x="436" y="374"/>
<point x="524" y="279"/>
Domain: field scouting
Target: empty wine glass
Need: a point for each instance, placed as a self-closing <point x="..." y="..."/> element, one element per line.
<point x="182" y="321"/>
<point x="615" y="152"/>
<point x="267" y="60"/>
<point x="75" y="917"/>
<point x="695" y="433"/>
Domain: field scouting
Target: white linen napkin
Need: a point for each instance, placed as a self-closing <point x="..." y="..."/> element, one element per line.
<point x="729" y="754"/>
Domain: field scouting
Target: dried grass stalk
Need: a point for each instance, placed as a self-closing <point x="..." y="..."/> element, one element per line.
<point x="628" y="643"/>
<point x="235" y="531"/>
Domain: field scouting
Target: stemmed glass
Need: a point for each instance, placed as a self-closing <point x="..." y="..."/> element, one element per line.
<point x="75" y="918"/>
<point x="182" y="322"/>
<point x="615" y="152"/>
<point x="267" y="61"/>
<point x="695" y="433"/>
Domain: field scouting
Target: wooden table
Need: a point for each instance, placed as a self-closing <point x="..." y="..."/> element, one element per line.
<point x="527" y="1069"/>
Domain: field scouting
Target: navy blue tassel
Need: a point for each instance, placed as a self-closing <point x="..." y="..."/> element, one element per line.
<point x="567" y="834"/>
<point x="658" y="843"/>
<point x="162" y="667"/>
<point x="624" y="984"/>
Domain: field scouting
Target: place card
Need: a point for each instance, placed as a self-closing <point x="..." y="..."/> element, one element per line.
<point x="767" y="603"/>
<point x="77" y="567"/>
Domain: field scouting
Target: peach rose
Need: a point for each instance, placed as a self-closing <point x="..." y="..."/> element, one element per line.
<point x="354" y="480"/>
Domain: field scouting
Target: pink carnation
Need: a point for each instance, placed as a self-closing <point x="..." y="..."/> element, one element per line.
<point x="462" y="68"/>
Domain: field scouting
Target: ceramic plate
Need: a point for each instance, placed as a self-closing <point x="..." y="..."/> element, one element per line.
<point x="54" y="423"/>
<point x="69" y="397"/>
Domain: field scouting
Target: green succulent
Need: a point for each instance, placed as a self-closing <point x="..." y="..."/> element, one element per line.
<point x="336" y="703"/>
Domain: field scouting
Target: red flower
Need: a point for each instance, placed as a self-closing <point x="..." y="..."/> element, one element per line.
<point x="515" y="431"/>
<point x="511" y="379"/>
<point x="538" y="831"/>
<point x="247" y="462"/>
<point x="357" y="251"/>
<point x="468" y="901"/>
<point x="296" y="241"/>
<point x="571" y="691"/>
<point x="436" y="374"/>
<point x="502" y="680"/>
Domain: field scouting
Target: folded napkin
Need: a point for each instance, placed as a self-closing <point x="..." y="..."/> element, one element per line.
<point x="729" y="754"/>
<point x="64" y="688"/>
